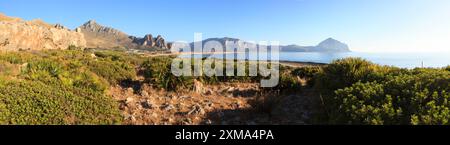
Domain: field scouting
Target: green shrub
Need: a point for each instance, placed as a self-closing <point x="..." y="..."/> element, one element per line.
<point x="120" y="56"/>
<point x="54" y="87"/>
<point x="287" y="82"/>
<point x="447" y="68"/>
<point x="17" y="57"/>
<point x="366" y="103"/>
<point x="73" y="47"/>
<point x="34" y="102"/>
<point x="8" y="69"/>
<point x="157" y="70"/>
<point x="345" y="72"/>
<point x="306" y="72"/>
<point x="43" y="70"/>
<point x="113" y="71"/>
<point x="386" y="95"/>
<point x="89" y="80"/>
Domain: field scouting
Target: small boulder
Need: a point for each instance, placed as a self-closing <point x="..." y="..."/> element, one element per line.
<point x="147" y="104"/>
<point x="129" y="101"/>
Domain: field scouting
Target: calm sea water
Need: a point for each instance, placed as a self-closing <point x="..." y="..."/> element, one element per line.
<point x="404" y="60"/>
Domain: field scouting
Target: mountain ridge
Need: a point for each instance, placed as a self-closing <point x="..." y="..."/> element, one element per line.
<point x="100" y="36"/>
<point x="94" y="35"/>
<point x="328" y="45"/>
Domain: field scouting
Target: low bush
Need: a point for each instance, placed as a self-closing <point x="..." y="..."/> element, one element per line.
<point x="358" y="92"/>
<point x="113" y="71"/>
<point x="307" y="73"/>
<point x="54" y="87"/>
<point x="34" y="102"/>
<point x="158" y="72"/>
<point x="17" y="57"/>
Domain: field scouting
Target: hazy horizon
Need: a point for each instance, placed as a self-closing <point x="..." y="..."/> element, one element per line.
<point x="365" y="25"/>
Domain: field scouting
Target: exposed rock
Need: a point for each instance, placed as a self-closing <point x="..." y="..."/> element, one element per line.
<point x="196" y="110"/>
<point x="231" y="90"/>
<point x="167" y="107"/>
<point x="144" y="94"/>
<point x="160" y="42"/>
<point x="59" y="26"/>
<point x="209" y="104"/>
<point x="147" y="104"/>
<point x="9" y="19"/>
<point x="129" y="101"/>
<point x="198" y="87"/>
<point x="130" y="90"/>
<point x="236" y="105"/>
<point x="17" y="34"/>
<point x="184" y="97"/>
<point x="208" y="122"/>
<point x="187" y="121"/>
<point x="148" y="41"/>
<point x="99" y="36"/>
<point x="78" y="30"/>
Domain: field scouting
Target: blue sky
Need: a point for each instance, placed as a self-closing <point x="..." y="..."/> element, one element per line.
<point x="366" y="25"/>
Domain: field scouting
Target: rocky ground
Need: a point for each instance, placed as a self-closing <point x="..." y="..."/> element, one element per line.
<point x="227" y="103"/>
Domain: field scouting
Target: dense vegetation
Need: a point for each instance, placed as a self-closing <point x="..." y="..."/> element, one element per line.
<point x="60" y="87"/>
<point x="356" y="91"/>
<point x="70" y="87"/>
<point x="157" y="70"/>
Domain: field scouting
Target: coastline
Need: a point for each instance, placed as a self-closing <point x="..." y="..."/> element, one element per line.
<point x="284" y="62"/>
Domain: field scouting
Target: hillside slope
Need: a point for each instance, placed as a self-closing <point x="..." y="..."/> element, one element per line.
<point x="18" y="34"/>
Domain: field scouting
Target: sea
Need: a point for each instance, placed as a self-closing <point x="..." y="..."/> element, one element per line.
<point x="403" y="60"/>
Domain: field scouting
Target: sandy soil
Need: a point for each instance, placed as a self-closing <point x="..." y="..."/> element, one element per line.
<point x="227" y="103"/>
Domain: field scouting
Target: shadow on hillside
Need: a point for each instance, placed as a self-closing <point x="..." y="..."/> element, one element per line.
<point x="293" y="108"/>
<point x="236" y="117"/>
<point x="244" y="93"/>
<point x="136" y="85"/>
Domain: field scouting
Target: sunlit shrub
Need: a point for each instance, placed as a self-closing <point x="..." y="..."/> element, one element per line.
<point x="34" y="102"/>
<point x="158" y="72"/>
<point x="113" y="71"/>
<point x="388" y="95"/>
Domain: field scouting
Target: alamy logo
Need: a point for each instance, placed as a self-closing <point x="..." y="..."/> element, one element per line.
<point x="238" y="58"/>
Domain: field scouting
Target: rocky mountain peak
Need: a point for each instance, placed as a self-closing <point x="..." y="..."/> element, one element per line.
<point x="93" y="26"/>
<point x="91" y="22"/>
<point x="149" y="41"/>
<point x="331" y="44"/>
<point x="330" y="40"/>
<point x="101" y="36"/>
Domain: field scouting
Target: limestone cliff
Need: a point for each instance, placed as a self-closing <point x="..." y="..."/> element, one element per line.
<point x="17" y="34"/>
